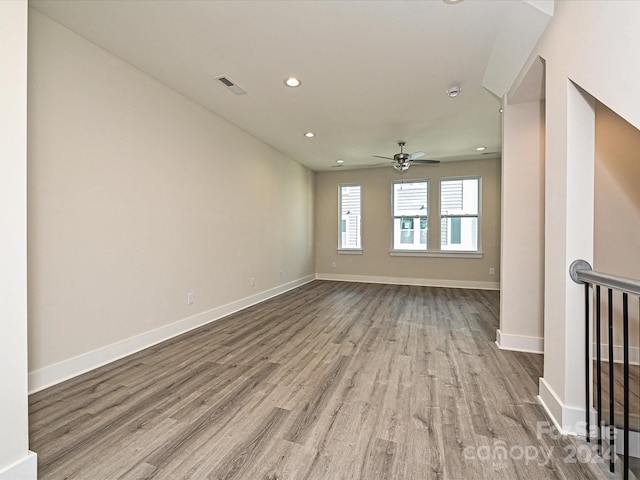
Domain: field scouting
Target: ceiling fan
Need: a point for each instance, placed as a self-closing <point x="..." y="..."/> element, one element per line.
<point x="402" y="161"/>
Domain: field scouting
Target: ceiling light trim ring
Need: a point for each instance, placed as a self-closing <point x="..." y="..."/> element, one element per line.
<point x="454" y="90"/>
<point x="292" y="82"/>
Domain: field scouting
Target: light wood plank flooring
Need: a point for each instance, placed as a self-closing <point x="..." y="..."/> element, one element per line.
<point x="618" y="379"/>
<point x="330" y="381"/>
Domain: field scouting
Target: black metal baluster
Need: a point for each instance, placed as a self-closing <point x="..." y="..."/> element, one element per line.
<point x="587" y="363"/>
<point x="625" y="334"/>
<point x="581" y="272"/>
<point x="599" y="370"/>
<point x="612" y="423"/>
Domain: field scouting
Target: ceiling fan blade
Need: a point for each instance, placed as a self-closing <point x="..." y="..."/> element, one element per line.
<point x="386" y="158"/>
<point x="416" y="155"/>
<point x="425" y="161"/>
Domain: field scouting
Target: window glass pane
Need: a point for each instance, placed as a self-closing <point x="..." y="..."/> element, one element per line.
<point x="350" y="217"/>
<point x="423" y="231"/>
<point x="406" y="237"/>
<point x="410" y="233"/>
<point x="455" y="230"/>
<point x="459" y="233"/>
<point x="410" y="207"/>
<point x="410" y="198"/>
<point x="406" y="231"/>
<point x="350" y="199"/>
<point x="459" y="197"/>
<point x="459" y="212"/>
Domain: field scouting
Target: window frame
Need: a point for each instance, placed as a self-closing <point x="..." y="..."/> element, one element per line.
<point x="478" y="216"/>
<point x="342" y="249"/>
<point x="412" y="251"/>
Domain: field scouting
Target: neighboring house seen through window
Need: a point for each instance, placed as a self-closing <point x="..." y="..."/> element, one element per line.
<point x="410" y="215"/>
<point x="350" y="211"/>
<point x="459" y="212"/>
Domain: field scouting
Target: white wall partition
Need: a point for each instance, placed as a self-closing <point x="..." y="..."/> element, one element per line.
<point x="588" y="48"/>
<point x="16" y="462"/>
<point x="522" y="245"/>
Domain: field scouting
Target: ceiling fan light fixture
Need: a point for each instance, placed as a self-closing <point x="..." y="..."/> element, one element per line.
<point x="402" y="166"/>
<point x="292" y="82"/>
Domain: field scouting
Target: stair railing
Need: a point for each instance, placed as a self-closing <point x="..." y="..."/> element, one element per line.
<point x="581" y="272"/>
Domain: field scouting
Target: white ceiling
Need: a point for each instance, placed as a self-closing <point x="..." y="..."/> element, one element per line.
<point x="372" y="72"/>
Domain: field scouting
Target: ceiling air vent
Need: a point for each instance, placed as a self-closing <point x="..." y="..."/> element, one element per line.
<point x="227" y="82"/>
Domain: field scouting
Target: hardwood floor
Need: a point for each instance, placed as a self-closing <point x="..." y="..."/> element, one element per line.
<point x="329" y="381"/>
<point x="634" y="394"/>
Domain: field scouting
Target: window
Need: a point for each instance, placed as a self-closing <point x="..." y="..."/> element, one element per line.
<point x="410" y="215"/>
<point x="459" y="213"/>
<point x="349" y="208"/>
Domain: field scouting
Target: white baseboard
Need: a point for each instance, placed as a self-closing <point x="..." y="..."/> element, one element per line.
<point x="24" y="469"/>
<point x="551" y="403"/>
<point x="59" y="372"/>
<point x="519" y="343"/>
<point x="572" y="421"/>
<point x="420" y="282"/>
<point x="634" y="443"/>
<point x="568" y="420"/>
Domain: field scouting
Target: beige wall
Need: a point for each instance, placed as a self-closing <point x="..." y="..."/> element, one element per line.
<point x="137" y="196"/>
<point x="375" y="263"/>
<point x="588" y="48"/>
<point x="14" y="431"/>
<point x="522" y="301"/>
<point x="617" y="208"/>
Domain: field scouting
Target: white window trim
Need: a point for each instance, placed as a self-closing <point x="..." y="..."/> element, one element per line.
<point x="340" y="250"/>
<point x="436" y="254"/>
<point x="479" y="216"/>
<point x="402" y="252"/>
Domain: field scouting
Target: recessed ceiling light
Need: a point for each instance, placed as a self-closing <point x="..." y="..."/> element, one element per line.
<point x="309" y="134"/>
<point x="501" y="110"/>
<point x="454" y="91"/>
<point x="452" y="2"/>
<point x="292" y="82"/>
<point x="339" y="161"/>
<point x="481" y="149"/>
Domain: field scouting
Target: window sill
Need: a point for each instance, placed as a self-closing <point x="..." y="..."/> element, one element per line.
<point x="409" y="253"/>
<point x="353" y="251"/>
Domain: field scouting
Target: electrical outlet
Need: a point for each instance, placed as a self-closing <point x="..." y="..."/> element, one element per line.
<point x="253" y="281"/>
<point x="334" y="265"/>
<point x="190" y="299"/>
<point x="492" y="271"/>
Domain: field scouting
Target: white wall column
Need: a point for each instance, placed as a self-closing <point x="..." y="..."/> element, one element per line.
<point x="522" y="243"/>
<point x="569" y="201"/>
<point x="16" y="462"/>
